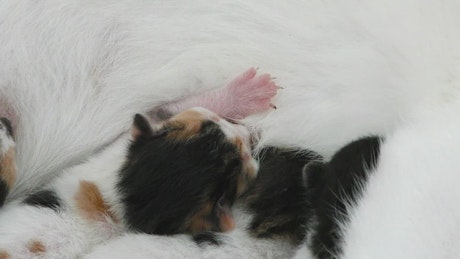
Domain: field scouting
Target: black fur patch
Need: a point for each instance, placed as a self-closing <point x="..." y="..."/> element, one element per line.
<point x="166" y="181"/>
<point x="206" y="238"/>
<point x="279" y="199"/>
<point x="335" y="181"/>
<point x="3" y="191"/>
<point x="44" y="198"/>
<point x="7" y="124"/>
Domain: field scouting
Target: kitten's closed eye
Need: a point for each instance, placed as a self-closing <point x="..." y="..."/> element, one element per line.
<point x="232" y="121"/>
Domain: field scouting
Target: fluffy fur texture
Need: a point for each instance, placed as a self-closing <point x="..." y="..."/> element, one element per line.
<point x="335" y="185"/>
<point x="172" y="180"/>
<point x="405" y="208"/>
<point x="272" y="218"/>
<point x="7" y="159"/>
<point x="72" y="74"/>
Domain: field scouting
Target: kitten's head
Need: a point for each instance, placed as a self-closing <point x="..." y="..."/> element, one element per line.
<point x="184" y="176"/>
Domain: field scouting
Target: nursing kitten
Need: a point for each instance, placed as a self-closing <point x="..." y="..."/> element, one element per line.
<point x="181" y="177"/>
<point x="271" y="218"/>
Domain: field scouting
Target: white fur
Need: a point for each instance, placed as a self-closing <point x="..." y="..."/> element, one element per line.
<point x="76" y="71"/>
<point x="6" y="141"/>
<point x="410" y="205"/>
<point x="65" y="234"/>
<point x="235" y="244"/>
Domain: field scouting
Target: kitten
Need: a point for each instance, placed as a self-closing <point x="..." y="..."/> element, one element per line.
<point x="182" y="177"/>
<point x="271" y="218"/>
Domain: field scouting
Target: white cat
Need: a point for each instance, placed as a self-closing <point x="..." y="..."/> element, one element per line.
<point x="73" y="73"/>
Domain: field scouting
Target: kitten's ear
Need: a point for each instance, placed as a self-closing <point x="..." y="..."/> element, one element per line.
<point x="140" y="127"/>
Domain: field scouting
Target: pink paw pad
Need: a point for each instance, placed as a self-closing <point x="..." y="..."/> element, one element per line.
<point x="248" y="94"/>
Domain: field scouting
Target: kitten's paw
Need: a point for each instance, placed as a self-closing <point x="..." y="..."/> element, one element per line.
<point x="7" y="159"/>
<point x="248" y="94"/>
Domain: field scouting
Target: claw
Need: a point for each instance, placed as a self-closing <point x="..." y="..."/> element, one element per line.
<point x="279" y="87"/>
<point x="272" y="106"/>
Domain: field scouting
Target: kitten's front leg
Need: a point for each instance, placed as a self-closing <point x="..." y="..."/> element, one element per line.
<point x="7" y="159"/>
<point x="246" y="94"/>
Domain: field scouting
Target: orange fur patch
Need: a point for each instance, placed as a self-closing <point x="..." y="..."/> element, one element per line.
<point x="239" y="144"/>
<point x="227" y="222"/>
<point x="36" y="247"/>
<point x="187" y="123"/>
<point x="90" y="202"/>
<point x="199" y="221"/>
<point x="8" y="167"/>
<point x="4" y="255"/>
<point x="248" y="172"/>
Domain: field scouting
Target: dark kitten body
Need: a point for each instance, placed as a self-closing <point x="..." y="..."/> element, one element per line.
<point x="296" y="195"/>
<point x="336" y="184"/>
<point x="278" y="201"/>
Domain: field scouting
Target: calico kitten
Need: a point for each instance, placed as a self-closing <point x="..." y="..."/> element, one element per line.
<point x="181" y="177"/>
<point x="7" y="159"/>
<point x="271" y="218"/>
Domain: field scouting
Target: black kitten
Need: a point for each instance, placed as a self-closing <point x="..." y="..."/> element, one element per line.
<point x="278" y="202"/>
<point x="334" y="184"/>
